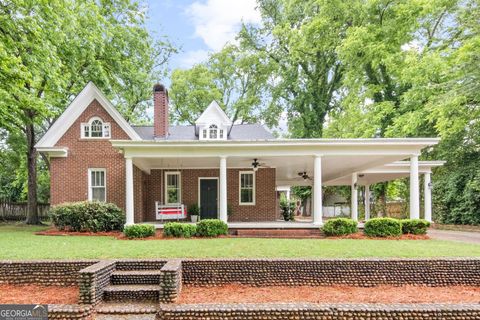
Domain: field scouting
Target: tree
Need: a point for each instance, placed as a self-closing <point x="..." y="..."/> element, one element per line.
<point x="300" y="40"/>
<point x="233" y="77"/>
<point x="51" y="49"/>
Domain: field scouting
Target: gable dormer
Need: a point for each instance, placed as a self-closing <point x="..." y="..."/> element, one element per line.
<point x="213" y="123"/>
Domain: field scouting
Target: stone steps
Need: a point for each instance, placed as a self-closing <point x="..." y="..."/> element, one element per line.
<point x="115" y="310"/>
<point x="124" y="277"/>
<point x="130" y="292"/>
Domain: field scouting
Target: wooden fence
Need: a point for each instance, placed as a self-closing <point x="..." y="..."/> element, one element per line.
<point x="17" y="211"/>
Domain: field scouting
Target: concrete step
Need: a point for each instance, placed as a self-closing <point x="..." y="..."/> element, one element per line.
<point x="130" y="292"/>
<point x="121" y="277"/>
<point x="279" y="233"/>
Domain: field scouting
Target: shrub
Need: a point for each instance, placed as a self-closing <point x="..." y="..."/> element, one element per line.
<point x="87" y="216"/>
<point x="287" y="208"/>
<point x="383" y="227"/>
<point x="179" y="230"/>
<point x="415" y="226"/>
<point x="340" y="227"/>
<point x="211" y="228"/>
<point x="139" y="230"/>
<point x="194" y="209"/>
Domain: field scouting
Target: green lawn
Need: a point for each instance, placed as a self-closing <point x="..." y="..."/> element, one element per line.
<point x="19" y="242"/>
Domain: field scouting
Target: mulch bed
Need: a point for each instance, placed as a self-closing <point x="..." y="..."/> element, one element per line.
<point x="36" y="294"/>
<point x="362" y="236"/>
<point x="236" y="293"/>
<point x="159" y="235"/>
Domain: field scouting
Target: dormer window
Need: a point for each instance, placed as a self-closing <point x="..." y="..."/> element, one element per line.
<point x="213" y="124"/>
<point x="95" y="128"/>
<point x="213" y="132"/>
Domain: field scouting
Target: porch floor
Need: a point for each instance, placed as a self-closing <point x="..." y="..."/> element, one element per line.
<point x="257" y="225"/>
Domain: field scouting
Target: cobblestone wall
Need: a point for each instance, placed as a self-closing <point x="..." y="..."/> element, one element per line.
<point x="170" y="281"/>
<point x="68" y="311"/>
<point x="354" y="272"/>
<point x="54" y="272"/>
<point x="307" y="311"/>
<point x="93" y="280"/>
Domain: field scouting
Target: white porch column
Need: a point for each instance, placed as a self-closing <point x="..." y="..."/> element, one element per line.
<point x="129" y="191"/>
<point x="288" y="194"/>
<point x="414" y="188"/>
<point x="367" y="202"/>
<point x="223" y="189"/>
<point x="427" y="196"/>
<point x="354" y="206"/>
<point x="317" y="190"/>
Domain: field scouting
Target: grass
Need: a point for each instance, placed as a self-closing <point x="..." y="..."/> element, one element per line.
<point x="20" y="242"/>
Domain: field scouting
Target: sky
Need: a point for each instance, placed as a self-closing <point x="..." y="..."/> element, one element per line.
<point x="198" y="27"/>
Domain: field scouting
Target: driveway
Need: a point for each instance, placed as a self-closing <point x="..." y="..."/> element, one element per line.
<point x="462" y="236"/>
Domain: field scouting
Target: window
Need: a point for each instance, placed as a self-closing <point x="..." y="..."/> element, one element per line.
<point x="95" y="128"/>
<point x="97" y="187"/>
<point x="247" y="188"/>
<point x="172" y="188"/>
<point x="213" y="131"/>
<point x="204" y="133"/>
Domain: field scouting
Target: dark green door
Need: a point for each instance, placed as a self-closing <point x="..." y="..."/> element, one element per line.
<point x="208" y="198"/>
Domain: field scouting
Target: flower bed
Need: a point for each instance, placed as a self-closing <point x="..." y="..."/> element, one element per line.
<point x="237" y="293"/>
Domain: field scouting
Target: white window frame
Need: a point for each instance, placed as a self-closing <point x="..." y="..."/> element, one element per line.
<point x="171" y="173"/>
<point x="240" y="188"/>
<point x="206" y="131"/>
<point x="106" y="129"/>
<point x="90" y="193"/>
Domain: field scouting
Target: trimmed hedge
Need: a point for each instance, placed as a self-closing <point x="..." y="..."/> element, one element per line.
<point x="415" y="226"/>
<point x="340" y="227"/>
<point x="87" y="216"/>
<point x="179" y="230"/>
<point x="383" y="227"/>
<point x="139" y="230"/>
<point x="211" y="228"/>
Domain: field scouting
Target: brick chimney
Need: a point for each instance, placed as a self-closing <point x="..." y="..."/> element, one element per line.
<point x="160" y="111"/>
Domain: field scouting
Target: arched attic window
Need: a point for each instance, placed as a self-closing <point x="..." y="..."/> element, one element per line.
<point x="95" y="128"/>
<point x="213" y="132"/>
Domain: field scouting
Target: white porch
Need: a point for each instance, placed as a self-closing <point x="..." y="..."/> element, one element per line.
<point x="352" y="162"/>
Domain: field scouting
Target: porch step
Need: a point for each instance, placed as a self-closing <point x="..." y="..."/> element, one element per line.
<point x="130" y="292"/>
<point x="278" y="233"/>
<point x="134" y="311"/>
<point x="122" y="277"/>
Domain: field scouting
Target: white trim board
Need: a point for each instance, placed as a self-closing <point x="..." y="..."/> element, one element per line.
<point x="75" y="109"/>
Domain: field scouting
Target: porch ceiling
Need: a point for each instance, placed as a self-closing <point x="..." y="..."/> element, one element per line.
<point x="336" y="170"/>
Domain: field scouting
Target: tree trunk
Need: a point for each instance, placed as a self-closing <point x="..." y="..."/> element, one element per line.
<point x="32" y="216"/>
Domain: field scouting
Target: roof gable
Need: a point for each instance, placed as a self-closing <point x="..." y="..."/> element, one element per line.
<point x="213" y="114"/>
<point x="76" y="108"/>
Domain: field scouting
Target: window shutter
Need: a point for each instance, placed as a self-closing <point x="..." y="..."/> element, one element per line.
<point x="85" y="130"/>
<point x="106" y="130"/>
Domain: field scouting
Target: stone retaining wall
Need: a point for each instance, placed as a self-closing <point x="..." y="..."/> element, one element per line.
<point x="93" y="280"/>
<point x="170" y="281"/>
<point x="52" y="272"/>
<point x="308" y="311"/>
<point x="353" y="272"/>
<point x="68" y="311"/>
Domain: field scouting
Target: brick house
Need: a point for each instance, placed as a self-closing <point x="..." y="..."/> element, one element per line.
<point x="95" y="154"/>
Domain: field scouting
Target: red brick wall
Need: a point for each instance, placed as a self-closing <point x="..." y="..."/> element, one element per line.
<point x="265" y="198"/>
<point x="139" y="194"/>
<point x="69" y="176"/>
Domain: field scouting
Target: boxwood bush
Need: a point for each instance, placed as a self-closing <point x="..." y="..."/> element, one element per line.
<point x="415" y="226"/>
<point x="383" y="227"/>
<point x="211" y="228"/>
<point x="340" y="227"/>
<point x="179" y="230"/>
<point x="139" y="230"/>
<point x="87" y="216"/>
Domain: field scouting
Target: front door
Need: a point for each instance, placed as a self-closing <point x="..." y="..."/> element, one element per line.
<point x="208" y="198"/>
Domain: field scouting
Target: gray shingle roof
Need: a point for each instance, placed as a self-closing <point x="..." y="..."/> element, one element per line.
<point x="239" y="132"/>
